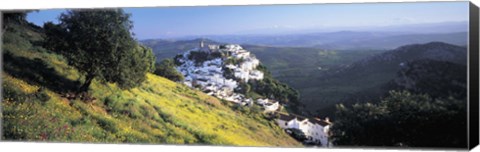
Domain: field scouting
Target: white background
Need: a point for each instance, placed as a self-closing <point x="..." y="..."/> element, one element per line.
<point x="53" y="147"/>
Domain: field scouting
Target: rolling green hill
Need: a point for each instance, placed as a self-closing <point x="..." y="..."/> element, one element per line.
<point x="366" y="80"/>
<point x="296" y="64"/>
<point x="428" y="91"/>
<point x="36" y="106"/>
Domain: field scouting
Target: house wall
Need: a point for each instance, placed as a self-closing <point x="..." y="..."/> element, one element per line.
<point x="272" y="107"/>
<point x="320" y="134"/>
<point x="282" y="123"/>
<point x="317" y="132"/>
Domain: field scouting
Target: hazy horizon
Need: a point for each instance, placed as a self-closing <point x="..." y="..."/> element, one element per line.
<point x="177" y="22"/>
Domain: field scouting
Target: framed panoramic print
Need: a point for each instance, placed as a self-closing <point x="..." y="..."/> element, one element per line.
<point x="356" y="75"/>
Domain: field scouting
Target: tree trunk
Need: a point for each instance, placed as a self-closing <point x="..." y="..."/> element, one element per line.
<point x="86" y="85"/>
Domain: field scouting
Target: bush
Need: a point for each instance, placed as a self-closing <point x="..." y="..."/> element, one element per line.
<point x="11" y="93"/>
<point x="166" y="68"/>
<point x="42" y="95"/>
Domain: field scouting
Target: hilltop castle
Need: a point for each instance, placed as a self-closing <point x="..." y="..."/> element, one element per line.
<point x="210" y="48"/>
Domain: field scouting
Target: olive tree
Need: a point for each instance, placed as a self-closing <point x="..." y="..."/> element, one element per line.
<point x="100" y="44"/>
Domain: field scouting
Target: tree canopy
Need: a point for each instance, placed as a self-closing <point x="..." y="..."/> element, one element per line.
<point x="272" y="88"/>
<point x="100" y="45"/>
<point x="403" y="119"/>
<point x="166" y="68"/>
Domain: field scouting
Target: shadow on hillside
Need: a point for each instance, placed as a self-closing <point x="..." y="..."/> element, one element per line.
<point x="37" y="72"/>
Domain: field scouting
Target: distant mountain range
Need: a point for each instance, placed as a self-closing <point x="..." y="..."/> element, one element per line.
<point x="389" y="42"/>
<point x="351" y="38"/>
<point x="342" y="40"/>
<point x="419" y="28"/>
<point x="347" y="40"/>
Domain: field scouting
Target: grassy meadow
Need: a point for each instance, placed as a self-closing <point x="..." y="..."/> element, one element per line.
<point x="159" y="111"/>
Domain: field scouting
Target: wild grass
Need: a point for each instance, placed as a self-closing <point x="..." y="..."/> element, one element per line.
<point x="159" y="111"/>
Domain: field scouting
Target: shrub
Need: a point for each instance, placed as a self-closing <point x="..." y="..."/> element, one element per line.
<point x="42" y="95"/>
<point x="166" y="68"/>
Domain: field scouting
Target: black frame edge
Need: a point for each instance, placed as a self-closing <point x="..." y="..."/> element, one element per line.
<point x="473" y="107"/>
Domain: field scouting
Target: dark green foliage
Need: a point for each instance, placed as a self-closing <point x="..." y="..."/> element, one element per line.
<point x="431" y="114"/>
<point x="244" y="88"/>
<point x="12" y="93"/>
<point x="15" y="17"/>
<point x="36" y="71"/>
<point x="297" y="134"/>
<point x="264" y="69"/>
<point x="216" y="55"/>
<point x="99" y="44"/>
<point x="175" y="59"/>
<point x="369" y="79"/>
<point x="166" y="68"/>
<point x="149" y="58"/>
<point x="304" y="68"/>
<point x="228" y="73"/>
<point x="254" y="111"/>
<point x="267" y="87"/>
<point x="272" y="88"/>
<point x="233" y="61"/>
<point x="131" y="70"/>
<point x="42" y="95"/>
<point x="19" y="33"/>
<point x="437" y="78"/>
<point x="199" y="56"/>
<point x="403" y="119"/>
<point x="20" y="36"/>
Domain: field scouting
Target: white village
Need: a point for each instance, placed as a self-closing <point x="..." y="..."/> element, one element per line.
<point x="208" y="76"/>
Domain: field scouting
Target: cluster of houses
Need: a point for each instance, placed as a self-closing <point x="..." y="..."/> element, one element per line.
<point x="315" y="130"/>
<point x="208" y="76"/>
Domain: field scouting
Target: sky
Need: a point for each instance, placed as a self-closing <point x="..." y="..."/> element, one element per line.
<point x="171" y="22"/>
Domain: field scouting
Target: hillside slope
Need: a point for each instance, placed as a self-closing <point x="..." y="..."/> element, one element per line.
<point x="366" y="79"/>
<point x="35" y="83"/>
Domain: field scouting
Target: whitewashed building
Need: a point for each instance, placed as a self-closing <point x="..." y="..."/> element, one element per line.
<point x="209" y="75"/>
<point x="269" y="105"/>
<point x="316" y="130"/>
